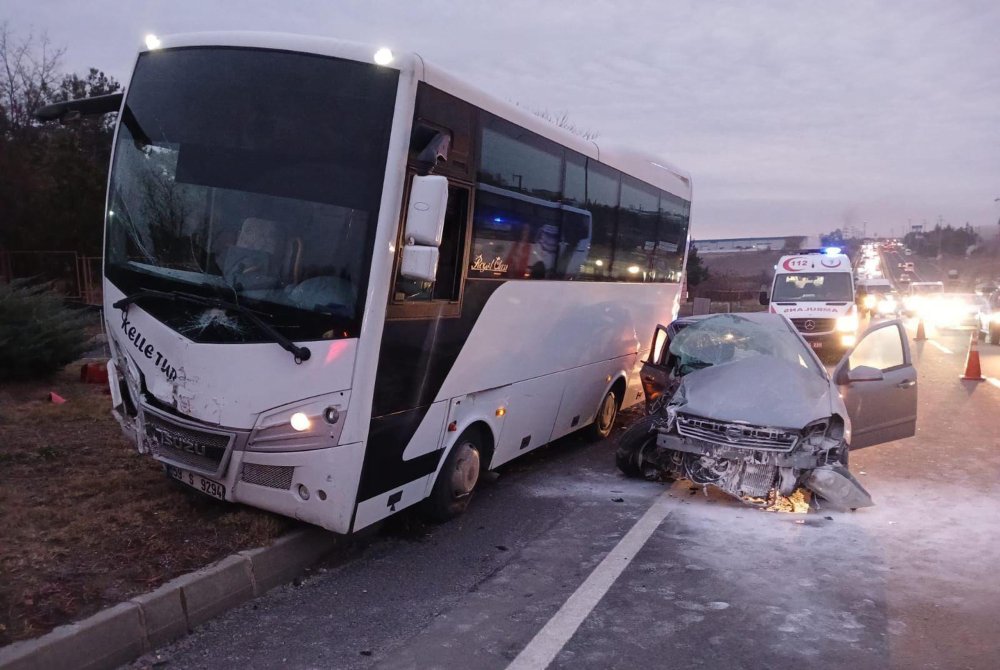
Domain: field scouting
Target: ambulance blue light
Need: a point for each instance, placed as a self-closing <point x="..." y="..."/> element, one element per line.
<point x="831" y="251"/>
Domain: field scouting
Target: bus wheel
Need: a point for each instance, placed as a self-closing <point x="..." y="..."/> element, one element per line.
<point x="606" y="415"/>
<point x="457" y="479"/>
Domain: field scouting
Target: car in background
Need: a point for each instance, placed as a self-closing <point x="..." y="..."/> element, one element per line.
<point x="875" y="296"/>
<point x="741" y="402"/>
<point x="988" y="320"/>
<point x="904" y="278"/>
<point x="919" y="292"/>
<point x="952" y="310"/>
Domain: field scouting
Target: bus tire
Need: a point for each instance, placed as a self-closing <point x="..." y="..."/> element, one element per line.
<point x="457" y="479"/>
<point x="607" y="412"/>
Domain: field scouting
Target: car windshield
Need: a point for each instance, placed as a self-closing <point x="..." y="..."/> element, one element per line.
<point x="728" y="338"/>
<point x="813" y="287"/>
<point x="251" y="176"/>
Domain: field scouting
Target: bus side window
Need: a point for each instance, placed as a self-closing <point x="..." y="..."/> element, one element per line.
<point x="447" y="283"/>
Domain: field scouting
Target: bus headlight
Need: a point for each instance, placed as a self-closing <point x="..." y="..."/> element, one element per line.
<point x="310" y="424"/>
<point x="847" y="323"/>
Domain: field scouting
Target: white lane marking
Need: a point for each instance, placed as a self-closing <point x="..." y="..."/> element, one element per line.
<point x="941" y="347"/>
<point x="994" y="381"/>
<point x="550" y="640"/>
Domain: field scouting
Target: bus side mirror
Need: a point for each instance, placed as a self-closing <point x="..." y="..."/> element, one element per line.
<point x="419" y="262"/>
<point x="425" y="213"/>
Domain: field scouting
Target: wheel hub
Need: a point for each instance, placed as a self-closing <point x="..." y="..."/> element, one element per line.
<point x="466" y="472"/>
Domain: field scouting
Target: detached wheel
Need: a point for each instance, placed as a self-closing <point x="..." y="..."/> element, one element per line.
<point x="632" y="444"/>
<point x="607" y="412"/>
<point x="457" y="479"/>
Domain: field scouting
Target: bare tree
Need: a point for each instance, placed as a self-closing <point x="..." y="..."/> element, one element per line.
<point x="29" y="71"/>
<point x="561" y="120"/>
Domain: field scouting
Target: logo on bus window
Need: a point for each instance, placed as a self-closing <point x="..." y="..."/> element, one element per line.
<point x="496" y="265"/>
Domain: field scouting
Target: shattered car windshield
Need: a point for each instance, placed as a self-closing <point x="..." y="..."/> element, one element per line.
<point x="728" y="338"/>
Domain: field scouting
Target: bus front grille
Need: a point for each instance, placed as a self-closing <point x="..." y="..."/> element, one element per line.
<point x="184" y="446"/>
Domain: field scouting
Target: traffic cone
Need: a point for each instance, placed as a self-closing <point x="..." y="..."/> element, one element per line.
<point x="973" y="373"/>
<point x="56" y="399"/>
<point x="921" y="335"/>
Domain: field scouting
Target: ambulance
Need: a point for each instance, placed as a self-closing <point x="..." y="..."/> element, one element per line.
<point x="814" y="289"/>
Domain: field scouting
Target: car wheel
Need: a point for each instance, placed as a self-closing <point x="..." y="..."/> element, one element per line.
<point x="606" y="415"/>
<point x="638" y="438"/>
<point x="992" y="334"/>
<point x="457" y="479"/>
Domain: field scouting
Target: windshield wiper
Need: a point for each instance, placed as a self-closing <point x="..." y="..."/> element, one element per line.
<point x="300" y="353"/>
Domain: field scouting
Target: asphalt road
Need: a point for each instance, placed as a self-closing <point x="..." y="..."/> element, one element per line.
<point x="701" y="581"/>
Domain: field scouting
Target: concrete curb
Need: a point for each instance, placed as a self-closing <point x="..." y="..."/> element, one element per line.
<point x="122" y="633"/>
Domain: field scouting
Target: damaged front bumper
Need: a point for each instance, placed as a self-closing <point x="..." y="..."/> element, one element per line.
<point x="751" y="474"/>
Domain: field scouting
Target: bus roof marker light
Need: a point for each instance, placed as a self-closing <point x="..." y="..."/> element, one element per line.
<point x="152" y="41"/>
<point x="383" y="56"/>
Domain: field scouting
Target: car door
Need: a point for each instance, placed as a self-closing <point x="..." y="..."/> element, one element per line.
<point x="653" y="374"/>
<point x="879" y="386"/>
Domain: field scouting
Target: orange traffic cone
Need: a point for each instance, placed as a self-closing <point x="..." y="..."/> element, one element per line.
<point x="973" y="373"/>
<point x="56" y="399"/>
<point x="921" y="335"/>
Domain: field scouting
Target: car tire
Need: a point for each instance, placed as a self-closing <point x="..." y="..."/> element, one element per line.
<point x="632" y="443"/>
<point x="992" y="334"/>
<point x="457" y="479"/>
<point x="607" y="412"/>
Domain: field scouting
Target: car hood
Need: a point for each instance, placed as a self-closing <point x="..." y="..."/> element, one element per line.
<point x="763" y="391"/>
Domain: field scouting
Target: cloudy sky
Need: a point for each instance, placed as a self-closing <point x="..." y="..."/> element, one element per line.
<point x="793" y="117"/>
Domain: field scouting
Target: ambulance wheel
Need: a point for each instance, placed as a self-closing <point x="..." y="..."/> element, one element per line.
<point x="457" y="479"/>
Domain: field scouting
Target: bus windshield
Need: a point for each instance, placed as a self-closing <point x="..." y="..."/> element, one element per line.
<point x="253" y="176"/>
<point x="813" y="287"/>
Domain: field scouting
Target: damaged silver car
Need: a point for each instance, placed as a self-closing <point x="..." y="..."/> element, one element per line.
<point x="741" y="402"/>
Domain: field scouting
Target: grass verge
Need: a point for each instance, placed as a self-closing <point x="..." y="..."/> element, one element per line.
<point x="85" y="521"/>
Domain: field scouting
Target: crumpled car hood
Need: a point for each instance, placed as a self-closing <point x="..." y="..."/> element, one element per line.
<point x="763" y="391"/>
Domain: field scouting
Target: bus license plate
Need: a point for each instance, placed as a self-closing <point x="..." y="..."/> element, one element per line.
<point x="207" y="486"/>
<point x="817" y="345"/>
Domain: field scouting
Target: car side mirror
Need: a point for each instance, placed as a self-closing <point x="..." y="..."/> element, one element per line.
<point x="763" y="299"/>
<point x="864" y="373"/>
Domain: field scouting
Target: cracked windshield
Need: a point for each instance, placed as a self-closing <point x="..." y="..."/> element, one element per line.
<point x="226" y="189"/>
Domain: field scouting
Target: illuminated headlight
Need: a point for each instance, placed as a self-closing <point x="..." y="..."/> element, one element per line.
<point x="870" y="301"/>
<point x="848" y="340"/>
<point x="886" y="306"/>
<point x="995" y="318"/>
<point x="847" y="323"/>
<point x="300" y="421"/>
<point x="312" y="424"/>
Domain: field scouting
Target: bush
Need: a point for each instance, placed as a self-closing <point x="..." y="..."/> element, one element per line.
<point x="38" y="334"/>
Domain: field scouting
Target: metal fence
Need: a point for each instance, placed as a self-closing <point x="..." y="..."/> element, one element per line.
<point x="75" y="276"/>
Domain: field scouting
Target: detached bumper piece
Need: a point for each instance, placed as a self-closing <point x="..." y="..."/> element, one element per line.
<point x="838" y="488"/>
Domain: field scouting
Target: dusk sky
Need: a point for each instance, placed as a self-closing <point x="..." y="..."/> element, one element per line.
<point x="792" y="117"/>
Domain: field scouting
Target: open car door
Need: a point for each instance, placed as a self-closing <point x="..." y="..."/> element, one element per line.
<point x="654" y="374"/>
<point x="879" y="385"/>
